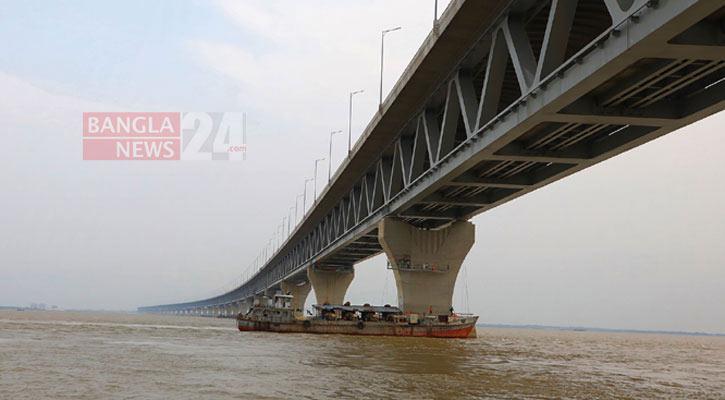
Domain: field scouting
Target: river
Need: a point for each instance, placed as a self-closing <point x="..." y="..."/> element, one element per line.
<point x="66" y="355"/>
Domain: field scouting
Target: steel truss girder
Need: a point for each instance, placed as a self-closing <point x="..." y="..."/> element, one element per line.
<point x="430" y="153"/>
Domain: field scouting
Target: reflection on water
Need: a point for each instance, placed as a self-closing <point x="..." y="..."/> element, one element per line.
<point x="93" y="355"/>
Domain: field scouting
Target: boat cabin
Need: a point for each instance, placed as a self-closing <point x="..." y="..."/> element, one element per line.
<point x="282" y="301"/>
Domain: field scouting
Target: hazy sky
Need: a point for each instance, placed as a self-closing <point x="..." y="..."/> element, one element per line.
<point x="634" y="242"/>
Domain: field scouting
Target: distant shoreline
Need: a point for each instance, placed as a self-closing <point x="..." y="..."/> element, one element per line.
<point x="588" y="329"/>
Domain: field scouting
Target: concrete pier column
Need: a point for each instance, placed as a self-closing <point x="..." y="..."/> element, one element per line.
<point x="261" y="299"/>
<point x="425" y="262"/>
<point x="242" y="307"/>
<point x="299" y="293"/>
<point x="330" y="286"/>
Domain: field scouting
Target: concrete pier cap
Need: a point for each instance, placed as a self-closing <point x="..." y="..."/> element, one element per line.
<point x="425" y="262"/>
<point x="331" y="284"/>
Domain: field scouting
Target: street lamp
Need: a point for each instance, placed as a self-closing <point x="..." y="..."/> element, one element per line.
<point x="329" y="168"/>
<point x="314" y="199"/>
<point x="304" y="198"/>
<point x="283" y="235"/>
<point x="349" y="123"/>
<point x="289" y="218"/>
<point x="382" y="55"/>
<point x="303" y="206"/>
<point x="280" y="240"/>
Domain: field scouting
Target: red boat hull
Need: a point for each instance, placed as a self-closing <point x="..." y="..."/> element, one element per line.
<point x="460" y="328"/>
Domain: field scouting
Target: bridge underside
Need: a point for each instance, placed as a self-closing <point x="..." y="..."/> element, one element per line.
<point x="539" y="91"/>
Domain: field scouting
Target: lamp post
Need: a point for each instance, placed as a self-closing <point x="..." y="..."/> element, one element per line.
<point x="329" y="164"/>
<point x="349" y="123"/>
<point x="289" y="218"/>
<point x="382" y="55"/>
<point x="296" y="200"/>
<point x="314" y="199"/>
<point x="304" y="198"/>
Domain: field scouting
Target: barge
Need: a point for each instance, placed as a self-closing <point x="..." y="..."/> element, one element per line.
<point x="363" y="320"/>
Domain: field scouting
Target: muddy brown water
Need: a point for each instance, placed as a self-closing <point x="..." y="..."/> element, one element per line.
<point x="68" y="355"/>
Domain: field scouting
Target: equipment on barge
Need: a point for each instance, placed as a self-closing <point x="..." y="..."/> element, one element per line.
<point x="350" y="319"/>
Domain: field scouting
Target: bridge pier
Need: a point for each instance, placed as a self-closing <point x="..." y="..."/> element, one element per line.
<point x="330" y="286"/>
<point x="232" y="309"/>
<point x="245" y="305"/>
<point x="299" y="295"/>
<point x="261" y="299"/>
<point x="425" y="262"/>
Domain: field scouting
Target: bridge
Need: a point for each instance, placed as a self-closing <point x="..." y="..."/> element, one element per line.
<point x="502" y="98"/>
